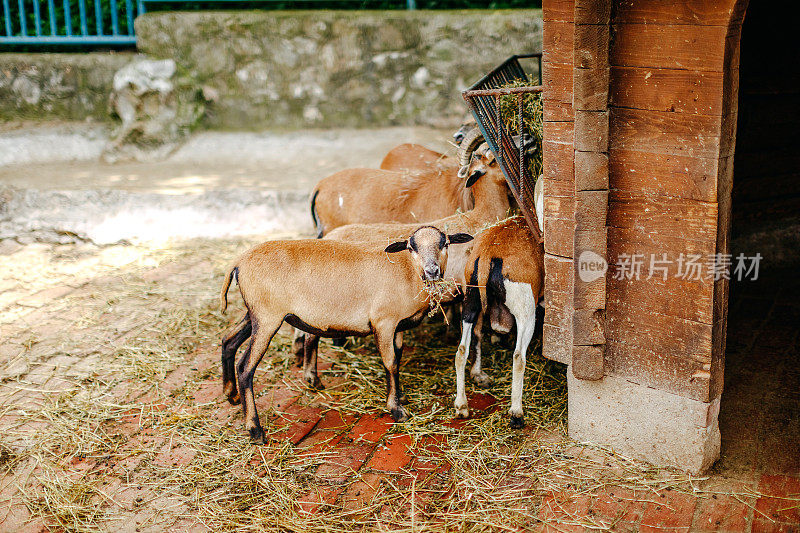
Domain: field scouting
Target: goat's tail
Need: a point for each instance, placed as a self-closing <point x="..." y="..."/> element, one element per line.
<point x="223" y="296"/>
<point x="483" y="269"/>
<point x="317" y="223"/>
<point x="495" y="288"/>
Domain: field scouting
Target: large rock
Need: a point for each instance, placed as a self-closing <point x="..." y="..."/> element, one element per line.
<point x="57" y="86"/>
<point x="158" y="109"/>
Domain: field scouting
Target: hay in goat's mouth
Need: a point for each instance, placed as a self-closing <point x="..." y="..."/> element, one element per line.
<point x="438" y="291"/>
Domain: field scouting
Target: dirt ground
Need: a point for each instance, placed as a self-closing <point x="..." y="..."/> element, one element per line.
<point x="112" y="419"/>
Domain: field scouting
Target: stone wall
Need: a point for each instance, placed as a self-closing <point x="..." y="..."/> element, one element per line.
<point x="58" y="86"/>
<point x="291" y="69"/>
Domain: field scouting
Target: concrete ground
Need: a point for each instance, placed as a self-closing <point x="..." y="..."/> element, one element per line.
<point x="112" y="418"/>
<point x="219" y="185"/>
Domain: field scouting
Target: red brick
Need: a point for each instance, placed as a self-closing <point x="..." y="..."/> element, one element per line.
<point x="279" y="397"/>
<point x="344" y="461"/>
<point x="481" y="401"/>
<point x="455" y="423"/>
<point x="394" y="456"/>
<point x="669" y="511"/>
<point x="16" y="518"/>
<point x="299" y="421"/>
<point x="317" y="497"/>
<point x="371" y="428"/>
<point x="563" y="511"/>
<point x="361" y="492"/>
<point x="209" y="392"/>
<point x="722" y="513"/>
<point x="178" y="456"/>
<point x="784" y="505"/>
<point x="419" y="471"/>
<point x="319" y="441"/>
<point x="335" y="421"/>
<point x="618" y="504"/>
<point x="45" y="297"/>
<point x="761" y="525"/>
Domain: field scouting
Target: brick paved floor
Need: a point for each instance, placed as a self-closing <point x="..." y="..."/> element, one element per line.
<point x="112" y="420"/>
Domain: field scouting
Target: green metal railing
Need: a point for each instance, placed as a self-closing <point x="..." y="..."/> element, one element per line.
<point x="69" y="21"/>
<point x="89" y="22"/>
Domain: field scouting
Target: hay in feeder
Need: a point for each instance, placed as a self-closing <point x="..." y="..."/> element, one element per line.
<point x="532" y="122"/>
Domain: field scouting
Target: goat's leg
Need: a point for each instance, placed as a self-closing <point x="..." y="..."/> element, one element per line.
<point x="263" y="331"/>
<point x="310" y="362"/>
<point x="231" y="342"/>
<point x="298" y="347"/>
<point x="398" y="350"/>
<point x="471" y="313"/>
<point x="461" y="403"/>
<point x="476" y="372"/>
<point x="522" y="304"/>
<point x="384" y="338"/>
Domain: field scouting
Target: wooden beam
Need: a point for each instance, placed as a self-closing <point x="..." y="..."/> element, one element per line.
<point x="666" y="89"/>
<point x="590" y="141"/>
<point x="667" y="175"/>
<point x="691" y="12"/>
<point x="557" y="40"/>
<point x="558" y="10"/>
<point x="687" y="47"/>
<point x="662" y="132"/>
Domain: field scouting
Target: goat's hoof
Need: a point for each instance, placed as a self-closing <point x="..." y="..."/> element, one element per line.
<point x="257" y="435"/>
<point x="234" y="399"/>
<point x="462" y="412"/>
<point x="482" y="379"/>
<point x="315" y="383"/>
<point x="516" y="422"/>
<point x="404" y="400"/>
<point x="400" y="415"/>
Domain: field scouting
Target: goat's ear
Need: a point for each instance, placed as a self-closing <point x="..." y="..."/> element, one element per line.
<point x="489" y="156"/>
<point x="396" y="247"/>
<point x="459" y="238"/>
<point x="477" y="173"/>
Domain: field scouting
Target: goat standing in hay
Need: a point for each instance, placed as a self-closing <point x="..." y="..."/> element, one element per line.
<point x="491" y="204"/>
<point x="490" y="190"/>
<point x="333" y="289"/>
<point x="505" y="273"/>
<point x="412" y="192"/>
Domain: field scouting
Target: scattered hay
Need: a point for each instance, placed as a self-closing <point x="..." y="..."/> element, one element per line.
<point x="177" y="457"/>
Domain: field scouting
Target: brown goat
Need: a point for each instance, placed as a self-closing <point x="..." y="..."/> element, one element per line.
<point x="505" y="273"/>
<point x="488" y="186"/>
<point x="406" y="189"/>
<point x="366" y="195"/>
<point x="333" y="289"/>
<point x="415" y="157"/>
<point x="490" y="190"/>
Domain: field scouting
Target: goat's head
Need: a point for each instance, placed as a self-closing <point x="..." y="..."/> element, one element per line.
<point x="482" y="163"/>
<point x="428" y="248"/>
<point x="462" y="131"/>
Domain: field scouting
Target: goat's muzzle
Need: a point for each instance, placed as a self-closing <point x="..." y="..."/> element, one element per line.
<point x="432" y="273"/>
